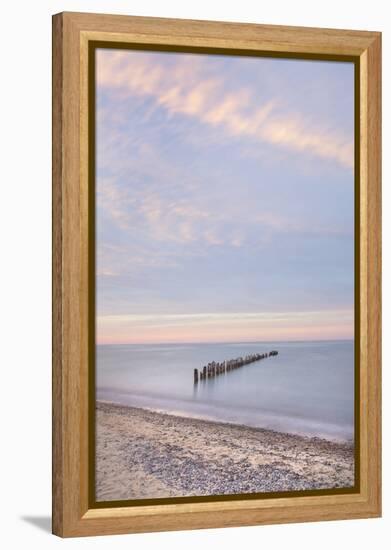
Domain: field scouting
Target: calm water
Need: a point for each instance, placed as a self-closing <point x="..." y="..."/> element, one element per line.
<point x="308" y="388"/>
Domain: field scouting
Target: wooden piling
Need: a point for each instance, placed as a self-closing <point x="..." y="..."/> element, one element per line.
<point x="213" y="369"/>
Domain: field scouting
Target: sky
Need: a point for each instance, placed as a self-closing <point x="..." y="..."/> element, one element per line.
<point x="224" y="198"/>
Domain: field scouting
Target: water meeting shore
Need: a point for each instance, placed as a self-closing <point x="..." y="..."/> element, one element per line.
<point x="143" y="454"/>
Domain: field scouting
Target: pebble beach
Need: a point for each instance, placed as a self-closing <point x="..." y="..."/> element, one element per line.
<point x="142" y="454"/>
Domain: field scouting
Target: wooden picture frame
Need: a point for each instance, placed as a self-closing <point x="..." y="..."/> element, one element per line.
<point x="73" y="34"/>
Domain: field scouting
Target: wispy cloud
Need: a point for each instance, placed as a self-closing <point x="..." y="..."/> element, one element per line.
<point x="184" y="89"/>
<point x="211" y="199"/>
<point x="213" y="317"/>
<point x="190" y="220"/>
<point x="221" y="326"/>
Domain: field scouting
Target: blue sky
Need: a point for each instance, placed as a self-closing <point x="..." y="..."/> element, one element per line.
<point x="225" y="198"/>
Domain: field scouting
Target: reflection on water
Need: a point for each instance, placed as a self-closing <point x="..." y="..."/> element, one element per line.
<point x="308" y="388"/>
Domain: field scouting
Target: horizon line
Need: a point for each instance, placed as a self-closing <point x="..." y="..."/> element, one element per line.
<point x="223" y="342"/>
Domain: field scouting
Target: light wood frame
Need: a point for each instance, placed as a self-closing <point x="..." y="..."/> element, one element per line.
<point x="72" y="32"/>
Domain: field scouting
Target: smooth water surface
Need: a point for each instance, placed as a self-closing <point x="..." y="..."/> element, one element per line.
<point x="308" y="388"/>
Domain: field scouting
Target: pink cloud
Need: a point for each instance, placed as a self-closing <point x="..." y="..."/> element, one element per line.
<point x="225" y="327"/>
<point x="184" y="89"/>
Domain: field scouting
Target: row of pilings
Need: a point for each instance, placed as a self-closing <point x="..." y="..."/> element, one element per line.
<point x="213" y="369"/>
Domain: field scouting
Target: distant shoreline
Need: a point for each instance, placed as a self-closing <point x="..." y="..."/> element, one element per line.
<point x="144" y="454"/>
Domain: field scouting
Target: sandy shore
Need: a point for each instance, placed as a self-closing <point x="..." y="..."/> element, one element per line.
<point x="143" y="454"/>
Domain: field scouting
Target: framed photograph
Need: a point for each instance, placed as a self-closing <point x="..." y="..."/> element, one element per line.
<point x="216" y="274"/>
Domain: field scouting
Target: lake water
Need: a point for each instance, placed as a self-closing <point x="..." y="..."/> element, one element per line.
<point x="307" y="389"/>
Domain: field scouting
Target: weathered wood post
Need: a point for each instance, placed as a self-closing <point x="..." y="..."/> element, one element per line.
<point x="215" y="368"/>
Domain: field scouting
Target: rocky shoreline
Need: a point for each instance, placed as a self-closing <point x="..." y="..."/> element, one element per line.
<point x="143" y="454"/>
